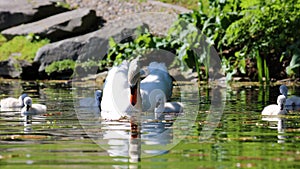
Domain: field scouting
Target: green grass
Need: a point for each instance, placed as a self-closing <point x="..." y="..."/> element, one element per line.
<point x="20" y="47"/>
<point x="2" y="39"/>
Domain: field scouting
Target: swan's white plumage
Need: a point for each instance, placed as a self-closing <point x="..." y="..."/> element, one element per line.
<point x="115" y="100"/>
<point x="32" y="109"/>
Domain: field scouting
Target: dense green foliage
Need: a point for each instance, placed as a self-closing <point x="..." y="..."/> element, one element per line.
<point x="22" y="47"/>
<point x="253" y="32"/>
<point x="144" y="42"/>
<point x="257" y="38"/>
<point x="267" y="31"/>
<point x="183" y="40"/>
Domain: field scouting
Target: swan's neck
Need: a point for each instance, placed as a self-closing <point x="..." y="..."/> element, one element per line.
<point x="28" y="107"/>
<point x="135" y="96"/>
<point x="138" y="105"/>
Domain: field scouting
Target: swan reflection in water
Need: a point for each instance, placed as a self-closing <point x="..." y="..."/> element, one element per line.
<point x="136" y="119"/>
<point x="155" y="136"/>
<point x="129" y="140"/>
<point x="279" y="124"/>
<point x="31" y="120"/>
<point x="27" y="120"/>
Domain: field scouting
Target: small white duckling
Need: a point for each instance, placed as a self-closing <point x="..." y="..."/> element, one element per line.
<point x="275" y="110"/>
<point x="11" y="102"/>
<point x="32" y="109"/>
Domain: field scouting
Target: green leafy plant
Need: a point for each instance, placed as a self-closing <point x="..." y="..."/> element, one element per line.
<point x="143" y="43"/>
<point x="293" y="51"/>
<point x="264" y="31"/>
<point x="249" y="36"/>
<point x="195" y="33"/>
<point x="192" y="47"/>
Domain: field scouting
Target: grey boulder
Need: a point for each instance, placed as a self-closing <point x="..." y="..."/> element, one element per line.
<point x="16" y="12"/>
<point x="10" y="68"/>
<point x="92" y="46"/>
<point x="60" y="26"/>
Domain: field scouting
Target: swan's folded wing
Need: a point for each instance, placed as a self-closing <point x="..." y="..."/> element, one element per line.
<point x="115" y="98"/>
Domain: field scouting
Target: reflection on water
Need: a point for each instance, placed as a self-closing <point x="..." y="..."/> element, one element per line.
<point x="141" y="136"/>
<point x="65" y="137"/>
<point x="277" y="123"/>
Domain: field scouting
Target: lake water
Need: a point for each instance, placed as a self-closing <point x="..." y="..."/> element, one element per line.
<point x="220" y="127"/>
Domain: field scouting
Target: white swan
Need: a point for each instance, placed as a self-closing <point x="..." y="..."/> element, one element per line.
<point x="32" y="109"/>
<point x="292" y="101"/>
<point x="275" y="110"/>
<point x="11" y="102"/>
<point x="124" y="93"/>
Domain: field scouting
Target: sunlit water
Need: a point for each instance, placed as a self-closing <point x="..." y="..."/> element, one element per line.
<point x="221" y="128"/>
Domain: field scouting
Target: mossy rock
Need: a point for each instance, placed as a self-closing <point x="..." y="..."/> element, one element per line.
<point x="60" y="66"/>
<point x="21" y="47"/>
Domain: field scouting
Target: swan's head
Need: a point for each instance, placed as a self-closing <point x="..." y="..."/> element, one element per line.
<point x="21" y="99"/>
<point x="281" y="101"/>
<point x="283" y="90"/>
<point x="27" y="102"/>
<point x="133" y="80"/>
<point x="98" y="96"/>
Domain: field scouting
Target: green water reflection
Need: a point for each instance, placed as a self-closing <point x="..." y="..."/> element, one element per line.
<point x="241" y="140"/>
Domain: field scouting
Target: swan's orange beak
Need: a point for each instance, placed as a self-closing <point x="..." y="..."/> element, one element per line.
<point x="133" y="95"/>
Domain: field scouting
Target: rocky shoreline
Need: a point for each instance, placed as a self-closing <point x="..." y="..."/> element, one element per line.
<point x="70" y="30"/>
<point x="113" y="9"/>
